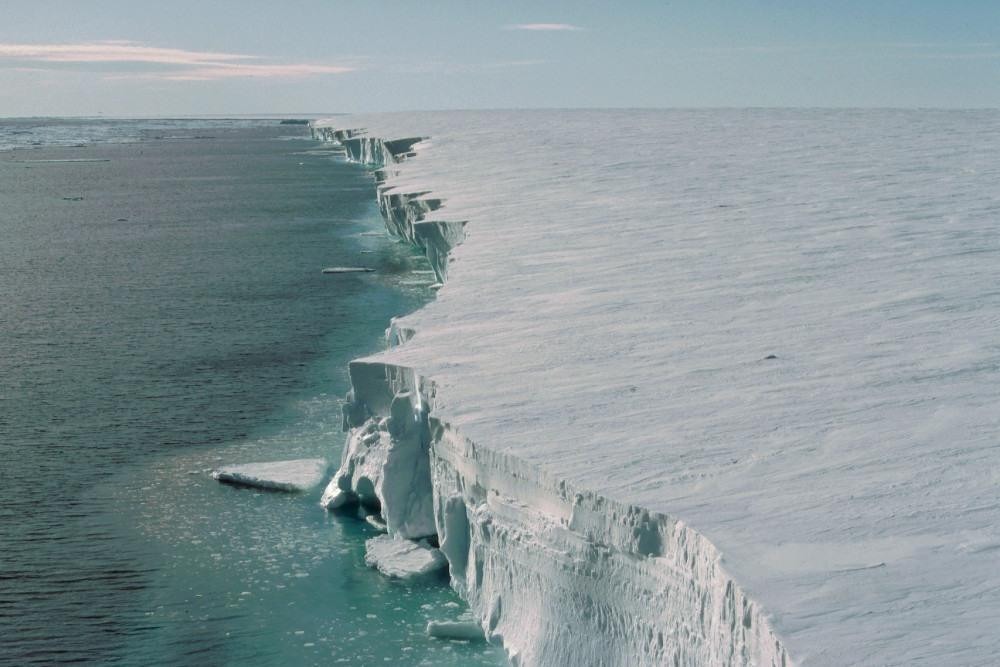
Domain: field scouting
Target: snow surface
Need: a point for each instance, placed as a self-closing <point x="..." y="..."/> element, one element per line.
<point x="297" y="475"/>
<point x="717" y="387"/>
<point x="403" y="559"/>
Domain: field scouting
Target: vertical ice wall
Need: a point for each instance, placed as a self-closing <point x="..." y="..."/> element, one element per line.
<point x="559" y="575"/>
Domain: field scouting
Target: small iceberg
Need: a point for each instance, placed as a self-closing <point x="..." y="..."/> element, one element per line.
<point x="292" y="476"/>
<point x="465" y="630"/>
<point x="376" y="522"/>
<point x="348" y="269"/>
<point x="403" y="559"/>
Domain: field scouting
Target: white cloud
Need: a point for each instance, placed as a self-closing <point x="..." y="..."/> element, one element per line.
<point x="544" y="27"/>
<point x="171" y="64"/>
<point x="255" y="71"/>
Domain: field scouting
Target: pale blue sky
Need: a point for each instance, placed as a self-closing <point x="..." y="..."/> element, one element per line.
<point x="61" y="57"/>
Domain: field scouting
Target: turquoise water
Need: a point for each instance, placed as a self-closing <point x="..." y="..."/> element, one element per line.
<point x="164" y="312"/>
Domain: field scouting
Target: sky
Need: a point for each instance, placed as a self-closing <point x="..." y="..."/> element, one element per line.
<point x="180" y="57"/>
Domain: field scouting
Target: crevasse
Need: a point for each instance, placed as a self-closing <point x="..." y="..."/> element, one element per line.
<point x="557" y="574"/>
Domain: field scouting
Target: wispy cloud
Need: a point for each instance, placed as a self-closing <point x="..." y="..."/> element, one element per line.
<point x="442" y="67"/>
<point x="168" y="64"/>
<point x="262" y="71"/>
<point x="544" y="27"/>
<point x="113" y="51"/>
<point x="234" y="71"/>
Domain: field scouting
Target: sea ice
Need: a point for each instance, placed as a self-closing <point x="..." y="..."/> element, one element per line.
<point x="296" y="475"/>
<point x="403" y="559"/>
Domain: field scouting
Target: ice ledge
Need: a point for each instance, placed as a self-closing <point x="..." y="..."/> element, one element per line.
<point x="559" y="575"/>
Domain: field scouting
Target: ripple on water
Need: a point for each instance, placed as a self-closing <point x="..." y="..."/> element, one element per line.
<point x="198" y="332"/>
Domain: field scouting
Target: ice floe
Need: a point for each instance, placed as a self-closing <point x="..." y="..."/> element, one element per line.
<point x="295" y="475"/>
<point x="466" y="630"/>
<point x="403" y="559"/>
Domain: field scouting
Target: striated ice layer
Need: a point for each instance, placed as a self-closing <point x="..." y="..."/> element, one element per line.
<point x="701" y="387"/>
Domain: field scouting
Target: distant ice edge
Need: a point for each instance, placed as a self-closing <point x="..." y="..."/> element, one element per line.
<point x="558" y="575"/>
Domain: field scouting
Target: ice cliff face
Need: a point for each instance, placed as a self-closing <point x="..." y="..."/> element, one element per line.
<point x="559" y="576"/>
<point x="405" y="213"/>
<point x="701" y="387"/>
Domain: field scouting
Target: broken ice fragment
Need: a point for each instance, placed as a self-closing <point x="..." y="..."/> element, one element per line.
<point x="296" y="475"/>
<point x="403" y="559"/>
<point x="464" y="630"/>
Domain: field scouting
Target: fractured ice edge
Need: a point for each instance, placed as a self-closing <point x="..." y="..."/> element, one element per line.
<point x="558" y="575"/>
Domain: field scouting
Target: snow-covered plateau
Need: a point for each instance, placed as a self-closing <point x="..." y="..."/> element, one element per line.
<point x="700" y="387"/>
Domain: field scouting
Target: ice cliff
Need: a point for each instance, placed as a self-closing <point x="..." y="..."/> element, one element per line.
<point x="701" y="388"/>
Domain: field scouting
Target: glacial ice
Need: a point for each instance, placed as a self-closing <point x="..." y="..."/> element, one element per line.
<point x="296" y="475"/>
<point x="589" y="416"/>
<point x="403" y="559"/>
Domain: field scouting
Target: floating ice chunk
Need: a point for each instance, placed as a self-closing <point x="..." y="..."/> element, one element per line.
<point x="334" y="498"/>
<point x="403" y="559"/>
<point x="348" y="269"/>
<point x="467" y="630"/>
<point x="376" y="523"/>
<point x="296" y="475"/>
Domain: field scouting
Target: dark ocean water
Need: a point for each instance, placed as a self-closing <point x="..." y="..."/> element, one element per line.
<point x="163" y="312"/>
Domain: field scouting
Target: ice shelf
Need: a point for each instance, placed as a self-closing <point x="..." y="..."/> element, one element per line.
<point x="700" y="387"/>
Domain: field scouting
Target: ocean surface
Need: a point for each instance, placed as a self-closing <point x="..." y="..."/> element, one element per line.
<point x="163" y="312"/>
